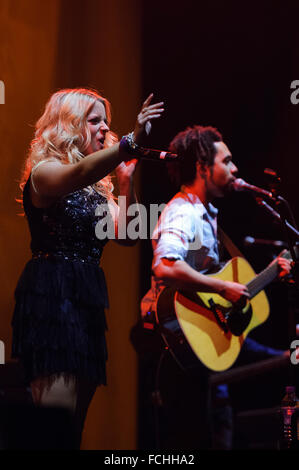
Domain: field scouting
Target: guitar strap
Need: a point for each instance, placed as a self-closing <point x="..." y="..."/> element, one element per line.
<point x="228" y="244"/>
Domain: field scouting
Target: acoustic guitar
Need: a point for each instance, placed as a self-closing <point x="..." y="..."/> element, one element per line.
<point x="205" y="326"/>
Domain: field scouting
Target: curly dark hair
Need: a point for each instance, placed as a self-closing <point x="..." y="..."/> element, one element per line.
<point x="194" y="144"/>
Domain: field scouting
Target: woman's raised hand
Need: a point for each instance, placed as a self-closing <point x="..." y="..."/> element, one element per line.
<point x="147" y="113"/>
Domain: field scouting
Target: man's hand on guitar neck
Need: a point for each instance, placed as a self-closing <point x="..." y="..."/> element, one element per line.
<point x="284" y="266"/>
<point x="238" y="293"/>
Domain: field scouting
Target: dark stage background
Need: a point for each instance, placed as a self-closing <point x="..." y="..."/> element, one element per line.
<point x="230" y="65"/>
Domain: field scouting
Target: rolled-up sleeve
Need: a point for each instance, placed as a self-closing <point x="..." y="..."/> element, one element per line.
<point x="175" y="231"/>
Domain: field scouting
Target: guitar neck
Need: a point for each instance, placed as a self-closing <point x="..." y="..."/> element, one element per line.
<point x="264" y="277"/>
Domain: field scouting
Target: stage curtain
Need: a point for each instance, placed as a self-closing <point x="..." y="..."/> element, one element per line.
<point x="46" y="46"/>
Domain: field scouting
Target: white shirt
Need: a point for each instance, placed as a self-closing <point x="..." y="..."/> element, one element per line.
<point x="186" y="231"/>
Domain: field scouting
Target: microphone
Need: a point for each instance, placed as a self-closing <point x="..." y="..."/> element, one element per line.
<point x="152" y="154"/>
<point x="241" y="185"/>
<point x="261" y="241"/>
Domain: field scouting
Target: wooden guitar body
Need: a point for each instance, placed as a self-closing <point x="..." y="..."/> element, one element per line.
<point x="197" y="325"/>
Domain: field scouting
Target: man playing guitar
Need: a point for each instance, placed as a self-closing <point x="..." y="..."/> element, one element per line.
<point x="185" y="243"/>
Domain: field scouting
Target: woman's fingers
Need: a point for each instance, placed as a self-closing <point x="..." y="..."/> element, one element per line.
<point x="143" y="121"/>
<point x="154" y="105"/>
<point x="149" y="114"/>
<point x="148" y="100"/>
<point x="149" y="111"/>
<point x="134" y="161"/>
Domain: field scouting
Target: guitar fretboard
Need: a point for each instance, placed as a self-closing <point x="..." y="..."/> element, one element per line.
<point x="262" y="280"/>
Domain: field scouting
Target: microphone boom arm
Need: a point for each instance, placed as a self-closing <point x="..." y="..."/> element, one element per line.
<point x="287" y="228"/>
<point x="277" y="216"/>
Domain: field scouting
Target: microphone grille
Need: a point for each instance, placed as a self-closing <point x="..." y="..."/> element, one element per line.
<point x="238" y="184"/>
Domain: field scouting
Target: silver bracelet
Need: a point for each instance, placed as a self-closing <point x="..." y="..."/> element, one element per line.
<point x="128" y="144"/>
<point x="130" y="139"/>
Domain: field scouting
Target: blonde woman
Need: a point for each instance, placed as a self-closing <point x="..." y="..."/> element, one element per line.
<point x="59" y="320"/>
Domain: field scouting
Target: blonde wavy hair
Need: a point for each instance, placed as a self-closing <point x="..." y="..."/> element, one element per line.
<point x="62" y="133"/>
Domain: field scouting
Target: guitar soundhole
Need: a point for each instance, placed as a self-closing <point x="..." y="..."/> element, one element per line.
<point x="234" y="320"/>
<point x="238" y="320"/>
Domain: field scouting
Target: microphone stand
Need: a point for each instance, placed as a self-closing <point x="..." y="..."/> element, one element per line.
<point x="291" y="234"/>
<point x="287" y="227"/>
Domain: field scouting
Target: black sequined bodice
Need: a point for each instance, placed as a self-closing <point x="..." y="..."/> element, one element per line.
<point x="67" y="228"/>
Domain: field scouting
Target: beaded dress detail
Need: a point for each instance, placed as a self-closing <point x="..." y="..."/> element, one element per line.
<point x="59" y="319"/>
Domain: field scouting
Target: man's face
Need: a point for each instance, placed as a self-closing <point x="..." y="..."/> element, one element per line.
<point x="221" y="174"/>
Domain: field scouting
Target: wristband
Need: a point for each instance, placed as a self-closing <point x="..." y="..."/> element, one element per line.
<point x="128" y="144"/>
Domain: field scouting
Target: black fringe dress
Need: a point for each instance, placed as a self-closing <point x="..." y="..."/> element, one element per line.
<point x="59" y="318"/>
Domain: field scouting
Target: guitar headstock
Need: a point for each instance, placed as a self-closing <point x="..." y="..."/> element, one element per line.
<point x="287" y="254"/>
